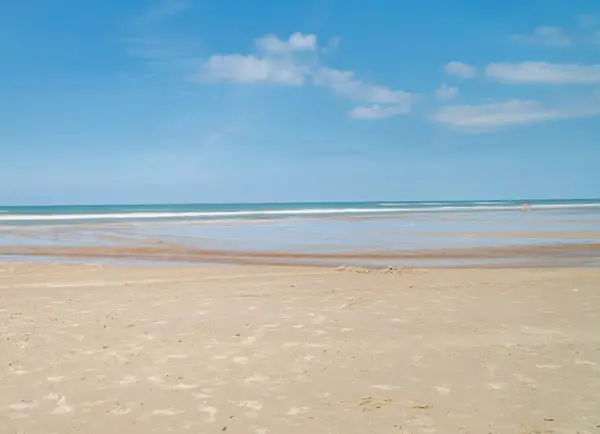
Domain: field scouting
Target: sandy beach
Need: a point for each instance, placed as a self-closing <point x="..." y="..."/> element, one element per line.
<point x="316" y="217"/>
<point x="258" y="349"/>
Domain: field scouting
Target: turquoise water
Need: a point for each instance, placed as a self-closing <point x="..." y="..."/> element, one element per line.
<point x="27" y="215"/>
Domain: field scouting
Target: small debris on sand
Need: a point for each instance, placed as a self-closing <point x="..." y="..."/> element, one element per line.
<point x="347" y="269"/>
<point x="386" y="270"/>
<point x="395" y="270"/>
<point x="369" y="403"/>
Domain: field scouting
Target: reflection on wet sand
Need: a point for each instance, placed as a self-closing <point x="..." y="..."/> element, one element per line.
<point x="170" y="252"/>
<point x="449" y="240"/>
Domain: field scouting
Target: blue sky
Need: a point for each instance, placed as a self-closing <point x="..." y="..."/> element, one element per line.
<point x="319" y="100"/>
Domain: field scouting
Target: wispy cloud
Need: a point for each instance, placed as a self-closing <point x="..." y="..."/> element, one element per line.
<point x="588" y="21"/>
<point x="460" y="69"/>
<point x="145" y="39"/>
<point x="543" y="73"/>
<point x="346" y="84"/>
<point x="379" y="112"/>
<point x="152" y="49"/>
<point x="160" y="11"/>
<point x="550" y="36"/>
<point x="294" y="62"/>
<point x="486" y="117"/>
<point x="445" y="92"/>
<point x="332" y="45"/>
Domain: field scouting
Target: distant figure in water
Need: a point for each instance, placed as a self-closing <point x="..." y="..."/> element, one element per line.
<point x="525" y="207"/>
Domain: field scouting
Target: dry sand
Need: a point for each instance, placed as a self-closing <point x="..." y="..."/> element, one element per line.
<point x="90" y="349"/>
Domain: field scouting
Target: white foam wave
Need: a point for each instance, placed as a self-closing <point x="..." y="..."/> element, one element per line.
<point x="397" y="204"/>
<point x="158" y="215"/>
<point x="280" y="212"/>
<point x="568" y="205"/>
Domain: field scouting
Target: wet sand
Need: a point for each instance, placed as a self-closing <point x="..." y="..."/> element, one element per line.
<point x="542" y="255"/>
<point x="257" y="349"/>
<point x="508" y="240"/>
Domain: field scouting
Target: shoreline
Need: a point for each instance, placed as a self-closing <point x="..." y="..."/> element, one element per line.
<point x="534" y="255"/>
<point x="514" y="239"/>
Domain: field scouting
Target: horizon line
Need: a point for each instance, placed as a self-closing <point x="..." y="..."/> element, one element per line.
<point x="525" y="200"/>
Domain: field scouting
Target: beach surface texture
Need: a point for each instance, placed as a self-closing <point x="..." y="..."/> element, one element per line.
<point x="257" y="349"/>
<point x="429" y="317"/>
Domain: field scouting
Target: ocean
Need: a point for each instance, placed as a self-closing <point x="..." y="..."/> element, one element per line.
<point x="249" y="211"/>
<point x="427" y="233"/>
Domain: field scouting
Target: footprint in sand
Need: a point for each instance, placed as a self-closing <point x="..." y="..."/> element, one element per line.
<point x="443" y="390"/>
<point x="253" y="405"/>
<point x="167" y="412"/>
<point x="120" y="411"/>
<point x="128" y="380"/>
<point x="62" y="407"/>
<point x="23" y="405"/>
<point x="55" y="379"/>
<point x="297" y="410"/>
<point x="211" y="413"/>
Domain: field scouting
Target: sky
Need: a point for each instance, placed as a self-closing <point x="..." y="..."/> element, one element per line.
<point x="170" y="101"/>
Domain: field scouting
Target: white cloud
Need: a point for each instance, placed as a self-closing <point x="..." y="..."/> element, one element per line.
<point x="494" y="114"/>
<point x="251" y="69"/>
<point x="545" y="35"/>
<point x="505" y="113"/>
<point x="346" y="84"/>
<point x="277" y="62"/>
<point x="544" y="73"/>
<point x="378" y="112"/>
<point x="445" y="92"/>
<point x="388" y="102"/>
<point x="460" y="69"/>
<point x="296" y="42"/>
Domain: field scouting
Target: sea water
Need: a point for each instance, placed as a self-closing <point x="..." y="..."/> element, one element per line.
<point x="233" y="211"/>
<point x="306" y="227"/>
